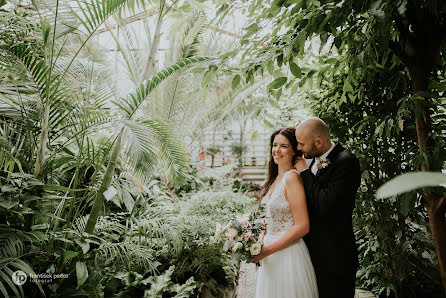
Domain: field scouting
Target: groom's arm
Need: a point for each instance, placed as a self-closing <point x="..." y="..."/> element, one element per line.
<point x="334" y="196"/>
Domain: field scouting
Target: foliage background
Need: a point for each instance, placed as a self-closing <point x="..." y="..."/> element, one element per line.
<point x="66" y="137"/>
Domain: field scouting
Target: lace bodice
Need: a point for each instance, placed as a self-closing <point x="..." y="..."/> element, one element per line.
<point x="278" y="211"/>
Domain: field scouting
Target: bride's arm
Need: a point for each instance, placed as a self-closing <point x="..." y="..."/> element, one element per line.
<point x="295" y="194"/>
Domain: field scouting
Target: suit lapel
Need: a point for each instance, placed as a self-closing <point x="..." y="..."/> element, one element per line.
<point x="332" y="156"/>
<point x="335" y="152"/>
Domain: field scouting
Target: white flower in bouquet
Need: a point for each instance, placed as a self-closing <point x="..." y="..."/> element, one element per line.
<point x="255" y="249"/>
<point x="237" y="246"/>
<point x="248" y="235"/>
<point x="232" y="233"/>
<point x="244" y="220"/>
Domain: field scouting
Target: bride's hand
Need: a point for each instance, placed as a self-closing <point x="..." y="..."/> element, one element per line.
<point x="263" y="254"/>
<point x="300" y="164"/>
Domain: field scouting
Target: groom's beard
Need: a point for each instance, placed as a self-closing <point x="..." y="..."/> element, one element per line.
<point x="314" y="152"/>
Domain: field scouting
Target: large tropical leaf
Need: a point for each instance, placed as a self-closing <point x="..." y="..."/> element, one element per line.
<point x="410" y="181"/>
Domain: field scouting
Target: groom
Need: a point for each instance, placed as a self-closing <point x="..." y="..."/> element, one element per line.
<point x="331" y="181"/>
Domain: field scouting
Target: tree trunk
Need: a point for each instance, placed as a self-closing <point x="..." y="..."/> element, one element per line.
<point x="99" y="200"/>
<point x="435" y="204"/>
<point x="115" y="75"/>
<point x="436" y="209"/>
<point x="40" y="158"/>
<point x="242" y="143"/>
<point x="155" y="43"/>
<point x="213" y="148"/>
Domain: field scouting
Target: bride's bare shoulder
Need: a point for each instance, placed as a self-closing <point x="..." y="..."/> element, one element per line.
<point x="293" y="177"/>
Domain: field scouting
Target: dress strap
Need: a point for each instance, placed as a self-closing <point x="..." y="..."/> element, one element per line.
<point x="284" y="176"/>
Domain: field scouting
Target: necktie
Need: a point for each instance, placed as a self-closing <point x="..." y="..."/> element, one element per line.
<point x="312" y="163"/>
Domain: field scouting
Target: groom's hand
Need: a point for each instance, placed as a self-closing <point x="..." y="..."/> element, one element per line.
<point x="300" y="164"/>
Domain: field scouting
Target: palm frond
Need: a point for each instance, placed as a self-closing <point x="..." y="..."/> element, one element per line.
<point x="66" y="22"/>
<point x="170" y="102"/>
<point x="38" y="71"/>
<point x="118" y="245"/>
<point x="150" y="142"/>
<point x="192" y="39"/>
<point x="135" y="99"/>
<point x="18" y="106"/>
<point x="12" y="250"/>
<point x="62" y="105"/>
<point x="89" y="93"/>
<point x="7" y="160"/>
<point x="80" y="223"/>
<point x="129" y="254"/>
<point x="93" y="13"/>
<point x="157" y="222"/>
<point x="132" y="59"/>
<point x="222" y="103"/>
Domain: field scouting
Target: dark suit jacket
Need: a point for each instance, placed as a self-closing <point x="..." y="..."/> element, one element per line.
<point x="331" y="199"/>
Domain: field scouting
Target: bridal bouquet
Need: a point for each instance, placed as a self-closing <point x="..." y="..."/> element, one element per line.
<point x="244" y="235"/>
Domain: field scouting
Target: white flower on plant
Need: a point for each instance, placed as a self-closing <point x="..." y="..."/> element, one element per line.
<point x="256" y="248"/>
<point x="227" y="245"/>
<point x="219" y="229"/>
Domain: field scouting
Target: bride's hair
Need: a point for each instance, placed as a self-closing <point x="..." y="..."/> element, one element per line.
<point x="273" y="168"/>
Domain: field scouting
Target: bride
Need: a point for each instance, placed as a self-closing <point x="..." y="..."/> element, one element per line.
<point x="286" y="270"/>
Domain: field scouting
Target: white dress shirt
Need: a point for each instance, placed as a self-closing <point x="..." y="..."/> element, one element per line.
<point x="314" y="167"/>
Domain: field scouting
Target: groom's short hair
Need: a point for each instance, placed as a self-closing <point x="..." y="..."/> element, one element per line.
<point x="316" y="127"/>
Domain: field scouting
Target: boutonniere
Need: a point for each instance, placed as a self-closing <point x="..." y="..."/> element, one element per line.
<point x="323" y="163"/>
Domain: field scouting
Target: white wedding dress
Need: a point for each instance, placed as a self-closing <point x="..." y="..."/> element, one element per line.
<point x="287" y="273"/>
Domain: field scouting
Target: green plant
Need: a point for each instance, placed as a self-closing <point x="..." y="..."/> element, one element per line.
<point x="394" y="241"/>
<point x="149" y="139"/>
<point x="407" y="37"/>
<point x="239" y="149"/>
<point x="196" y="221"/>
<point x="18" y="242"/>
